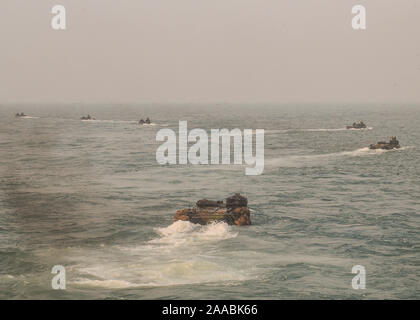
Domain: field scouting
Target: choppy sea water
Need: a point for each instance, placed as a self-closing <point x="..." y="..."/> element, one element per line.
<point x="89" y="195"/>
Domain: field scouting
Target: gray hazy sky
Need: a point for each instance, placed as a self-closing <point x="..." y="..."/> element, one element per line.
<point x="280" y="51"/>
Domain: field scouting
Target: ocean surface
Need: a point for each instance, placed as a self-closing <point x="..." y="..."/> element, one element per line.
<point x="90" y="196"/>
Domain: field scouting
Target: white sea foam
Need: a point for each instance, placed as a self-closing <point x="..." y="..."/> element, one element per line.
<point x="314" y="130"/>
<point x="108" y="121"/>
<point x="336" y="129"/>
<point x="302" y="160"/>
<point x="181" y="232"/>
<point x="177" y="271"/>
<point x="122" y="121"/>
<point x="109" y="284"/>
<point x="366" y="151"/>
<point x="182" y="253"/>
<point x="359" y="152"/>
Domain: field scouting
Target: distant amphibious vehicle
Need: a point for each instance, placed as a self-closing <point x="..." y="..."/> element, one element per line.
<point x="88" y="117"/>
<point x="145" y="122"/>
<point x="392" y="144"/>
<point x="20" y="115"/>
<point x="360" y="125"/>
